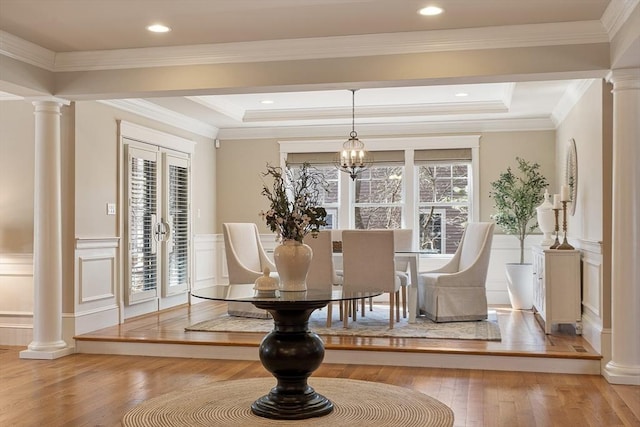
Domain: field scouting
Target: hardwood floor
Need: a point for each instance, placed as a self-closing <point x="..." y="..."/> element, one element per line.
<point x="96" y="390"/>
<point x="521" y="335"/>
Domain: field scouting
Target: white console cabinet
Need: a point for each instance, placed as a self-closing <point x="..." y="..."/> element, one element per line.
<point x="556" y="287"/>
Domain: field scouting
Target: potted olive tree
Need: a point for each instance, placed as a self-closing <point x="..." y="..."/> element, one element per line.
<point x="516" y="196"/>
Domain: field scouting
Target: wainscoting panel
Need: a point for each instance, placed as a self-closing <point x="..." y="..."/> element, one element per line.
<point x="16" y="299"/>
<point x="593" y="298"/>
<point x="205" y="260"/>
<point x="96" y="277"/>
<point x="96" y="291"/>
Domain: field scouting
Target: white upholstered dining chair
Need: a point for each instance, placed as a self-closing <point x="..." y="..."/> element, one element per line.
<point x="403" y="241"/>
<point x="322" y="274"/>
<point x="457" y="291"/>
<point x="369" y="266"/>
<point x="246" y="261"/>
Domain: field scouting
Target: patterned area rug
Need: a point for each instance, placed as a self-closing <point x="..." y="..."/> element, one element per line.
<point x="374" y="324"/>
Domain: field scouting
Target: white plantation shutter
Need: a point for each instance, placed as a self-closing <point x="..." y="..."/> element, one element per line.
<point x="157" y="223"/>
<point x="142" y="224"/>
<point x="177" y="217"/>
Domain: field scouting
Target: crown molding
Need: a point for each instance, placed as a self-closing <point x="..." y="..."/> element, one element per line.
<point x="374" y="130"/>
<point x="154" y="112"/>
<point x="5" y="96"/>
<point x="218" y="105"/>
<point x="24" y="51"/>
<point x="514" y="36"/>
<point x="381" y="111"/>
<point x="569" y="100"/>
<point x="616" y="14"/>
<point x="624" y="78"/>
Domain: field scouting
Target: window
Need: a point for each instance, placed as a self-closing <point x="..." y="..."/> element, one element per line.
<point x="329" y="199"/>
<point x="443" y="205"/>
<point x="378" y="201"/>
<point x="424" y="183"/>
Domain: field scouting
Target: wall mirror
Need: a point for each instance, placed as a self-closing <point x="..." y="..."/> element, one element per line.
<point x="571" y="174"/>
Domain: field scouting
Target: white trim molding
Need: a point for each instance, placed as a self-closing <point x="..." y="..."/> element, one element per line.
<point x="154" y="112"/>
<point x="16" y="264"/>
<point x="136" y="132"/>
<point x="95" y="286"/>
<point x="16" y="299"/>
<point x="509" y="36"/>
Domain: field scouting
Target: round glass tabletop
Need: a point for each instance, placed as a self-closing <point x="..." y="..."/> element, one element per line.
<point x="276" y="296"/>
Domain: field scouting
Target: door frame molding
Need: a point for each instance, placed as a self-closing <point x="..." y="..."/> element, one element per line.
<point x="136" y="135"/>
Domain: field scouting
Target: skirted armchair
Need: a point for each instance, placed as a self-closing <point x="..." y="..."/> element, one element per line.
<point x="457" y="291"/>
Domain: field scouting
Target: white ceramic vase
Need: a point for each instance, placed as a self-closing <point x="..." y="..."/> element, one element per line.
<point x="546" y="220"/>
<point x="292" y="260"/>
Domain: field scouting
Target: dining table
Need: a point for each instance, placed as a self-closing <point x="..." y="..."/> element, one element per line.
<point x="291" y="351"/>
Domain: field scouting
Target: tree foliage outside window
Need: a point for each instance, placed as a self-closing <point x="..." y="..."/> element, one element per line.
<point x="378" y="201"/>
<point x="330" y="198"/>
<point x="379" y="198"/>
<point x="444" y="205"/>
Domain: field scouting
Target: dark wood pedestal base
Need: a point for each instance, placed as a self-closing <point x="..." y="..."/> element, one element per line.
<point x="291" y="352"/>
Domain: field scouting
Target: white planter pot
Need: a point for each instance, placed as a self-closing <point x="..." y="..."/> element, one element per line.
<point x="520" y="285"/>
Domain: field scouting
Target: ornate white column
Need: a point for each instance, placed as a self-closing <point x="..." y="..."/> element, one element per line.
<point x="47" y="247"/>
<point x="624" y="367"/>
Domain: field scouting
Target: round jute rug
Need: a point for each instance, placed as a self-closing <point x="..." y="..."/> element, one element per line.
<point x="227" y="403"/>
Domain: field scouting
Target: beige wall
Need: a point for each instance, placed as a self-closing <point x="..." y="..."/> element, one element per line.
<point x="498" y="150"/>
<point x="90" y="160"/>
<point x="585" y="125"/>
<point x="17" y="137"/>
<point x="238" y="168"/>
<point x="240" y="161"/>
<point x="89" y="178"/>
<point x="590" y="123"/>
<point x="97" y="170"/>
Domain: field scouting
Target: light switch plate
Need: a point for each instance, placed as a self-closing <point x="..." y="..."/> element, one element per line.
<point x="111" y="208"/>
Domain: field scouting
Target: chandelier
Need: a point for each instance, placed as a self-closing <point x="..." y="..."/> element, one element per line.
<point x="353" y="158"/>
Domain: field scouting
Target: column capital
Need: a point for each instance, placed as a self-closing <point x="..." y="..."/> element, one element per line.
<point x="45" y="100"/>
<point x="624" y="78"/>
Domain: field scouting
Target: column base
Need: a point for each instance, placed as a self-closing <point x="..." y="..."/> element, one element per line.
<point x="47" y="354"/>
<point x="617" y="374"/>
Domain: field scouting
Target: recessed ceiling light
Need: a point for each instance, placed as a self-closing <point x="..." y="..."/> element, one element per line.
<point x="462" y="94"/>
<point x="266" y="101"/>
<point x="158" y="28"/>
<point x="430" y="11"/>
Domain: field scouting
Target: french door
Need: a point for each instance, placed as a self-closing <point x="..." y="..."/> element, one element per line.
<point x="157" y="223"/>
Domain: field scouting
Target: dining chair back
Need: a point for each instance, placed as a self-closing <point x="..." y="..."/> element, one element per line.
<point x="403" y="241"/>
<point x="246" y="261"/>
<point x="369" y="266"/>
<point x="322" y="274"/>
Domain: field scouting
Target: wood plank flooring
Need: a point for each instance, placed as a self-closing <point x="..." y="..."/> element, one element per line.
<point x="521" y="335"/>
<point x="97" y="390"/>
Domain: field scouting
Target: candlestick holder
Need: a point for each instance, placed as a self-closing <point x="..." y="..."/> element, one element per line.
<point x="565" y="245"/>
<point x="557" y="242"/>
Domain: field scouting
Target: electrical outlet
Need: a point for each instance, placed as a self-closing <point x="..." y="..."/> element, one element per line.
<point x="111" y="208"/>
